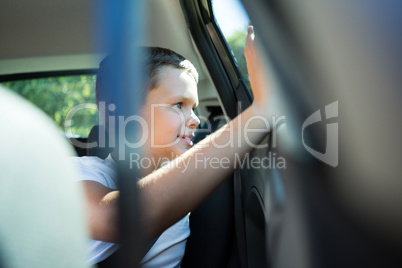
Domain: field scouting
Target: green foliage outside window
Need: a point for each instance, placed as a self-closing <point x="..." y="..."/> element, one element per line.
<point x="58" y="96"/>
<point x="237" y="42"/>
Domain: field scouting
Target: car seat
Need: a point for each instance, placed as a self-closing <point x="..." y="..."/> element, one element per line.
<point x="98" y="149"/>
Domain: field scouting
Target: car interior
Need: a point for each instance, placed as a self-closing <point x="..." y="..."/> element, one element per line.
<point x="331" y="192"/>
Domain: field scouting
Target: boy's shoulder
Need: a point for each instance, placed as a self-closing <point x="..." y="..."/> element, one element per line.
<point x="93" y="168"/>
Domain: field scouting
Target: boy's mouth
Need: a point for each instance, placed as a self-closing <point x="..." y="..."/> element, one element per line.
<point x="187" y="139"/>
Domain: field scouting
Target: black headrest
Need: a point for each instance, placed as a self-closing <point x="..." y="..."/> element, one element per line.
<point x="100" y="138"/>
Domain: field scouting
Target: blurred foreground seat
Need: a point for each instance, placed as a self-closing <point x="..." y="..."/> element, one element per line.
<point x="42" y="220"/>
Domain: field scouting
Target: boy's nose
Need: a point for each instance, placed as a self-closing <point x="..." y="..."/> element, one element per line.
<point x="193" y="121"/>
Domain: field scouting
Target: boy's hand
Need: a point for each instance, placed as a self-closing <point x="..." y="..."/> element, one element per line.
<point x="250" y="48"/>
<point x="258" y="75"/>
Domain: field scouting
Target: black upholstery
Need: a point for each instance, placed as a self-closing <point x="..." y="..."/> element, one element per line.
<point x="99" y="149"/>
<point x="212" y="230"/>
<point x="212" y="223"/>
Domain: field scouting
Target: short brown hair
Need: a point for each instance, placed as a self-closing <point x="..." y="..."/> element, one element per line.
<point x="155" y="59"/>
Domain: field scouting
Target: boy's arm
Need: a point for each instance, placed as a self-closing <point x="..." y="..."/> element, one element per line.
<point x="169" y="193"/>
<point x="102" y="211"/>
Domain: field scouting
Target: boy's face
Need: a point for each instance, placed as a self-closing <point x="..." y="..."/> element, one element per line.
<point x="169" y="112"/>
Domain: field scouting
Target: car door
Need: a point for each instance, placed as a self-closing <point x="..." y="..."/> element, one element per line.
<point x="302" y="208"/>
<point x="255" y="188"/>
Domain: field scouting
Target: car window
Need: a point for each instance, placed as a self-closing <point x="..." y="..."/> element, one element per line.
<point x="232" y="19"/>
<point x="68" y="100"/>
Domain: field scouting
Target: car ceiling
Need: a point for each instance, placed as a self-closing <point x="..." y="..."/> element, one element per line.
<point x="44" y="35"/>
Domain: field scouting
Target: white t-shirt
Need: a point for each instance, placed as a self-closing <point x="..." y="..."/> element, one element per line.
<point x="167" y="251"/>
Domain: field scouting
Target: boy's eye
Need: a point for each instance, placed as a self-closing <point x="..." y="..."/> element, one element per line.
<point x="178" y="105"/>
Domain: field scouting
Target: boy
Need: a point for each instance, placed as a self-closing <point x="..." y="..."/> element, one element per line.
<point x="169" y="194"/>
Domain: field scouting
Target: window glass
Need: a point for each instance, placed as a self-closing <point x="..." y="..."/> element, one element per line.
<point x="68" y="100"/>
<point x="233" y="21"/>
